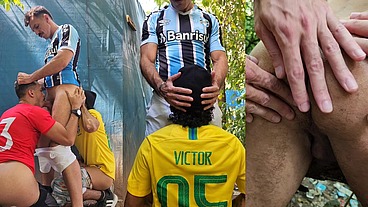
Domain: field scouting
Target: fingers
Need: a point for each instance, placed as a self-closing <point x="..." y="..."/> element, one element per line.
<point x="251" y="58"/>
<point x="344" y="38"/>
<point x="77" y="99"/>
<point x="272" y="48"/>
<point x="359" y="15"/>
<point x="22" y="78"/>
<point x="333" y="54"/>
<point x="256" y="109"/>
<point x="357" y="27"/>
<point x="249" y="117"/>
<point x="174" y="77"/>
<point x="271" y="102"/>
<point x="258" y="77"/>
<point x="363" y="43"/>
<point x="315" y="69"/>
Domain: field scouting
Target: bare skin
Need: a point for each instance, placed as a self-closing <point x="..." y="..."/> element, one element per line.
<point x="287" y="149"/>
<point x="45" y="27"/>
<point x="292" y="31"/>
<point x="19" y="178"/>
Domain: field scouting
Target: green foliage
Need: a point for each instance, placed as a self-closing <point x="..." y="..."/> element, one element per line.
<point x="7" y="3"/>
<point x="231" y="15"/>
<point x="251" y="38"/>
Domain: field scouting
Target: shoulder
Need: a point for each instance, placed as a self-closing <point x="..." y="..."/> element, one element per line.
<point x="94" y="113"/>
<point x="156" y="14"/>
<point x="67" y="28"/>
<point x="208" y="15"/>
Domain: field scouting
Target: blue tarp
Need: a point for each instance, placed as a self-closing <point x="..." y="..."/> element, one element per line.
<point x="109" y="65"/>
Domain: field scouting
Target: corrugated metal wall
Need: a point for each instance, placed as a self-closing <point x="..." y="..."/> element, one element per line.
<point x="109" y="65"/>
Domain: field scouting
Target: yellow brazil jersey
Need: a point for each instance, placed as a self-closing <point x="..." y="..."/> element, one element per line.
<point x="189" y="167"/>
<point x="94" y="147"/>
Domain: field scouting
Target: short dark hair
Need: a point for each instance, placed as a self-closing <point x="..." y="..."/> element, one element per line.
<point x="21" y="89"/>
<point x="191" y="119"/>
<point x="195" y="78"/>
<point x="35" y="11"/>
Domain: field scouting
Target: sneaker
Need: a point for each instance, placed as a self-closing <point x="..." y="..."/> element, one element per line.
<point x="109" y="200"/>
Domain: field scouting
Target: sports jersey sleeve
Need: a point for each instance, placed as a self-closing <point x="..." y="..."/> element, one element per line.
<point x="215" y="38"/>
<point x="149" y="34"/>
<point x="139" y="181"/>
<point x="69" y="38"/>
<point x="41" y="119"/>
<point x="240" y="181"/>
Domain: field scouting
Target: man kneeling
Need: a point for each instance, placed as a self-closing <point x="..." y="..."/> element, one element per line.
<point x="188" y="163"/>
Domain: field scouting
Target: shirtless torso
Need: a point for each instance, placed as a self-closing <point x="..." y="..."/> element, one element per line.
<point x="313" y="143"/>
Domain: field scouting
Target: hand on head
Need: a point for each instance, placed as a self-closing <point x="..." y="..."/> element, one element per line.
<point x="177" y="97"/>
<point x="292" y="31"/>
<point x="24" y="78"/>
<point x="211" y="93"/>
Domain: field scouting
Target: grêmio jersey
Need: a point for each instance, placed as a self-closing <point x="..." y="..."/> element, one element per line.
<point x="188" y="167"/>
<point x="182" y="38"/>
<point x="65" y="37"/>
<point x="20" y="129"/>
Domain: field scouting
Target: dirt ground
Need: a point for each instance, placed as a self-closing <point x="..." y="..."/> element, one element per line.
<point x="318" y="193"/>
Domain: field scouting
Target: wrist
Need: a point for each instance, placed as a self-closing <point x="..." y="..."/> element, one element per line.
<point x="77" y="112"/>
<point x="160" y="87"/>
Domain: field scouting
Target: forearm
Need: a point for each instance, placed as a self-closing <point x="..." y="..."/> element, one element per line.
<point x="55" y="65"/>
<point x="90" y="123"/>
<point x="71" y="129"/>
<point x="150" y="73"/>
<point x="221" y="68"/>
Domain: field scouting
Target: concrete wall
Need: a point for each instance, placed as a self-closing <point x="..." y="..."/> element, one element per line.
<point x="109" y="65"/>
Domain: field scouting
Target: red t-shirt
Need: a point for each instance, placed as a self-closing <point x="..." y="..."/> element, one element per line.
<point x="20" y="129"/>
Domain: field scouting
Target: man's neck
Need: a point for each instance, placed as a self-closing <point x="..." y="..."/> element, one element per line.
<point x="54" y="28"/>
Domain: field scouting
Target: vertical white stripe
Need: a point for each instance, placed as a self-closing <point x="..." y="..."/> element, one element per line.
<point x="191" y="19"/>
<point x="179" y="45"/>
<point x="164" y="30"/>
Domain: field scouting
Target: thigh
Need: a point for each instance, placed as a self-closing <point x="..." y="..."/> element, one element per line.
<point x="61" y="107"/>
<point x="278" y="155"/>
<point x="100" y="181"/>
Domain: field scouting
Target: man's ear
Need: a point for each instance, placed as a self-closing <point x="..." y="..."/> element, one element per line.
<point x="46" y="17"/>
<point x="31" y="93"/>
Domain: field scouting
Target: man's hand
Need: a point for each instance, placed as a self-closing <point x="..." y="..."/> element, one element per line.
<point x="77" y="98"/>
<point x="176" y="96"/>
<point x="358" y="26"/>
<point x="24" y="78"/>
<point x="210" y="93"/>
<point x="266" y="96"/>
<point x="291" y="31"/>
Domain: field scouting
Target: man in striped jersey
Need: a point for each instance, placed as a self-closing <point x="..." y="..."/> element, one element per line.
<point x="180" y="35"/>
<point x="60" y="75"/>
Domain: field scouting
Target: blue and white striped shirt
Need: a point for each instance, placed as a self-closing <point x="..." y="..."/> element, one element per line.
<point x="66" y="37"/>
<point x="182" y="38"/>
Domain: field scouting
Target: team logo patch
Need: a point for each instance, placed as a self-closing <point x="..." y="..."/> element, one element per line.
<point x="204" y="22"/>
<point x="163" y="22"/>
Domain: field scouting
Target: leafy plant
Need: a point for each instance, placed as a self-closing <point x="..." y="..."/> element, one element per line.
<point x="231" y="15"/>
<point x="7" y="3"/>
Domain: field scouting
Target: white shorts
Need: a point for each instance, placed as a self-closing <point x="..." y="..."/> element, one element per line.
<point x="158" y="112"/>
<point x="58" y="157"/>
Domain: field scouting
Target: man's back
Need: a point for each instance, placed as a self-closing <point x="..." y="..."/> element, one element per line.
<point x="195" y="166"/>
<point x="20" y="128"/>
